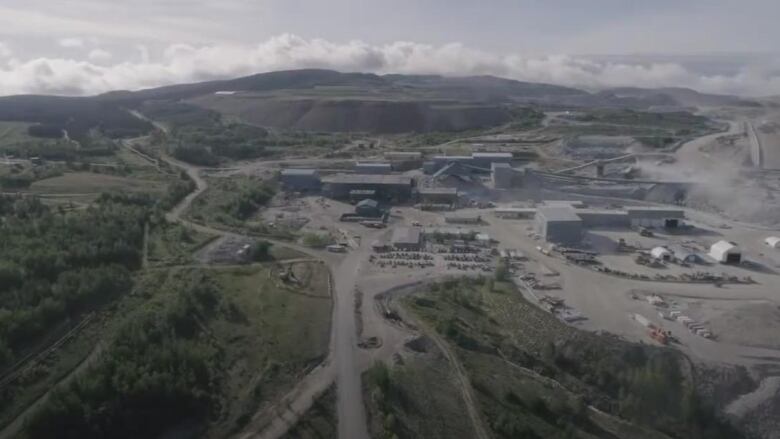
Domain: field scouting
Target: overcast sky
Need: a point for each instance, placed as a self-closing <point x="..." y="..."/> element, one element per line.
<point x="91" y="46"/>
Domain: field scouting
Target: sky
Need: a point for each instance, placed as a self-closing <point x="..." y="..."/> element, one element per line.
<point x="77" y="47"/>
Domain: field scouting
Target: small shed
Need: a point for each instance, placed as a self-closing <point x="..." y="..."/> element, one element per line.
<point x="726" y="252"/>
<point x="661" y="253"/>
<point x="772" y="241"/>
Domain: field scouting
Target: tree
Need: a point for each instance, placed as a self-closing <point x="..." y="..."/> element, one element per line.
<point x="261" y="251"/>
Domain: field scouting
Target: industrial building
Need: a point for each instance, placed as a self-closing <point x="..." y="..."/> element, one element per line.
<point x="407" y="238"/>
<point x="576" y="204"/>
<point x="504" y="176"/>
<point x="357" y="195"/>
<point x="385" y="187"/>
<point x="726" y="252"/>
<point x="596" y="218"/>
<point x="660" y="217"/>
<point x="482" y="160"/>
<point x="300" y="179"/>
<point x="372" y="168"/>
<point x="438" y="195"/>
<point x="404" y="160"/>
<point x="559" y="225"/>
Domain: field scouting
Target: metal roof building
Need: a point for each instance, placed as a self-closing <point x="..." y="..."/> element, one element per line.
<point x="387" y="187"/>
<point x="407" y="238"/>
<point x="300" y="179"/>
<point x="372" y="168"/>
<point x="559" y="225"/>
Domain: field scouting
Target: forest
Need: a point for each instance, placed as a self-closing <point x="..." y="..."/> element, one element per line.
<point x="55" y="265"/>
<point x="157" y="373"/>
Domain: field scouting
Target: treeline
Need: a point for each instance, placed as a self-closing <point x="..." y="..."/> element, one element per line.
<point x="159" y="371"/>
<point x="76" y="115"/>
<point x="54" y="265"/>
<point x="201" y="137"/>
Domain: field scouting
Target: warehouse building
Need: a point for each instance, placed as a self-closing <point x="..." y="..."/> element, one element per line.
<point x="358" y="195"/>
<point x="655" y="217"/>
<point x="404" y="160"/>
<point x="300" y="180"/>
<point x="386" y="187"/>
<point x="372" y="168"/>
<point x="559" y="225"/>
<point x="438" y="195"/>
<point x="603" y="218"/>
<point x="407" y="239"/>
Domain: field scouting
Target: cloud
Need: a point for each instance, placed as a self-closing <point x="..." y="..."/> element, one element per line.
<point x="99" y="55"/>
<point x="71" y="43"/>
<point x="186" y="62"/>
<point x="5" y="50"/>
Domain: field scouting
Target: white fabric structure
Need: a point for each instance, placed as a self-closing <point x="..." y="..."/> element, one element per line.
<point x="661" y="253"/>
<point x="725" y="252"/>
<point x="773" y="241"/>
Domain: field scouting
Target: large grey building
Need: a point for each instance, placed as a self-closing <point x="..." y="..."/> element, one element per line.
<point x="438" y="195"/>
<point x="386" y="187"/>
<point x="300" y="179"/>
<point x="559" y="225"/>
<point x="372" y="168"/>
<point x="404" y="160"/>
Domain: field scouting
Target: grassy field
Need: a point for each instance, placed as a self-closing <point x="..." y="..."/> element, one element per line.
<point x="278" y="336"/>
<point x="88" y="182"/>
<point x="417" y="399"/>
<point x="13" y="132"/>
<point x="320" y="421"/>
<point x="232" y="203"/>
<point x="173" y="244"/>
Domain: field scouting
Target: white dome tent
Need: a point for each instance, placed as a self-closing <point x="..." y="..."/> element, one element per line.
<point x="726" y="252"/>
<point x="773" y="241"/>
<point x="661" y="253"/>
